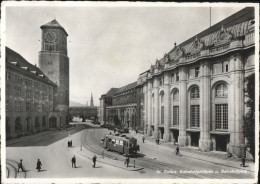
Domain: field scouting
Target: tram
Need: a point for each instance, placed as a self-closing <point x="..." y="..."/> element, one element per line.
<point x="121" y="144"/>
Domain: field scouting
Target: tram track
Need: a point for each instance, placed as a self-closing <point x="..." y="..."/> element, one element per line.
<point x="95" y="136"/>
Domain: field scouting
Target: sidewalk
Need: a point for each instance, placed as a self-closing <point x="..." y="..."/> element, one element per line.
<point x="213" y="157"/>
<point x="113" y="162"/>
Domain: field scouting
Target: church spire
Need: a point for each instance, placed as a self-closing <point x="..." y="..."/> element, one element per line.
<point x="91" y="101"/>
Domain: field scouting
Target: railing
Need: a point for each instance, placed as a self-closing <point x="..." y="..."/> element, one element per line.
<point x="218" y="49"/>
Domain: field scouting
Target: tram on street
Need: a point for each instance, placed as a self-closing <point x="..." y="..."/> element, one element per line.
<point x="121" y="144"/>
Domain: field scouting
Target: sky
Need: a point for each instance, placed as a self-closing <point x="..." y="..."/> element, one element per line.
<point x="108" y="46"/>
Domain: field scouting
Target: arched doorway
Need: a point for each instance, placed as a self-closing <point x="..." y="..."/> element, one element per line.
<point x="44" y="122"/>
<point x="7" y="128"/>
<point x="52" y="122"/>
<point x="18" y="126"/>
<point x="29" y="124"/>
<point x="37" y="124"/>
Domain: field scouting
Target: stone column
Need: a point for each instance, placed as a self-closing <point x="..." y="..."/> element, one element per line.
<point x="183" y="106"/>
<point x="156" y="107"/>
<point x="149" y="107"/>
<point x="167" y="119"/>
<point x="237" y="139"/>
<point x="204" y="143"/>
<point x="145" y="90"/>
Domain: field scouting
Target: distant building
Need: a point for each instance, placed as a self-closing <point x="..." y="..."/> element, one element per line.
<point x="194" y="95"/>
<point x="84" y="112"/>
<point x="38" y="98"/>
<point x="121" y="107"/>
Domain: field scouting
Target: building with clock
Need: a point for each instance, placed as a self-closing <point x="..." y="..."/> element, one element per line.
<point x="194" y="95"/>
<point x="37" y="98"/>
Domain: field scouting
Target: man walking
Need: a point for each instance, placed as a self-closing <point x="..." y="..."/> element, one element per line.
<point x="243" y="162"/>
<point x="94" y="161"/>
<point x="20" y="165"/>
<point x="177" y="150"/>
<point x="73" y="161"/>
<point x="143" y="138"/>
<point x="127" y="161"/>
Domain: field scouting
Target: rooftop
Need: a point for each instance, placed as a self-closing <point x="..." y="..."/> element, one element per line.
<point x="53" y="24"/>
<point x="17" y="60"/>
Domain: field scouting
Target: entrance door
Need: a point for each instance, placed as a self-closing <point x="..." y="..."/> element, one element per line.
<point x="161" y="132"/>
<point x="176" y="135"/>
<point x="221" y="142"/>
<point x="195" y="138"/>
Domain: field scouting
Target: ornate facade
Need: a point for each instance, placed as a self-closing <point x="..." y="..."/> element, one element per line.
<point x="194" y="95"/>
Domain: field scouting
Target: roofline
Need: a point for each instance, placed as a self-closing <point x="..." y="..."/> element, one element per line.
<point x="50" y="26"/>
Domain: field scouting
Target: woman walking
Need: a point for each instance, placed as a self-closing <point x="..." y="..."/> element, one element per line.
<point x="39" y="164"/>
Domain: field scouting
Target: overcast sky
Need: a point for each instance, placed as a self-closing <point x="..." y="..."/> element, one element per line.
<point x="108" y="46"/>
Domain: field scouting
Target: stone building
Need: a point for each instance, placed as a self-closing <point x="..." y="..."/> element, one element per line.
<point x="29" y="97"/>
<point x="194" y="95"/>
<point x="38" y="98"/>
<point x="118" y="107"/>
<point x="54" y="62"/>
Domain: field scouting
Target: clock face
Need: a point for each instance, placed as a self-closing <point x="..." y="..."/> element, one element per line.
<point x="51" y="36"/>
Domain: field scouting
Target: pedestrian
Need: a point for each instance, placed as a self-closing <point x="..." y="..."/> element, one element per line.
<point x="20" y="165"/>
<point x="136" y="131"/>
<point x="177" y="150"/>
<point x="73" y="161"/>
<point x="243" y="162"/>
<point x="38" y="165"/>
<point x="94" y="161"/>
<point x="68" y="144"/>
<point x="103" y="153"/>
<point x="71" y="143"/>
<point x="143" y="138"/>
<point x="127" y="160"/>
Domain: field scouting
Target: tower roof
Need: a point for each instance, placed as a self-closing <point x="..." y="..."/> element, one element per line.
<point x="53" y="24"/>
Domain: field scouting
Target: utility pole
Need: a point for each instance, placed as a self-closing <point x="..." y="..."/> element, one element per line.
<point x="209" y="16"/>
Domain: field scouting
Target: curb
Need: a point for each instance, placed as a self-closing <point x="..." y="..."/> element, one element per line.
<point x="137" y="168"/>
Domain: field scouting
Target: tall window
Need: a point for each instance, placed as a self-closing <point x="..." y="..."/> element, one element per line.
<point x="222" y="116"/>
<point x="176" y="95"/>
<point x="177" y="76"/>
<point x="175" y="115"/>
<point x="28" y="94"/>
<point x="162" y="114"/>
<point x="162" y="108"/>
<point x="197" y="71"/>
<point x="18" y="91"/>
<point x="172" y="78"/>
<point x="195" y="116"/>
<point x="161" y="81"/>
<point x="195" y="93"/>
<point x="221" y="90"/>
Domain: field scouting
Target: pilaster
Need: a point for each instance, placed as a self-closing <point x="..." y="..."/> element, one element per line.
<point x="156" y="107"/>
<point x="166" y="136"/>
<point x="183" y="106"/>
<point x="149" y="108"/>
<point x="205" y="142"/>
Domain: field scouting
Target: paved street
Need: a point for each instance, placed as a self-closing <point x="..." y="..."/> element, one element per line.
<point x="153" y="161"/>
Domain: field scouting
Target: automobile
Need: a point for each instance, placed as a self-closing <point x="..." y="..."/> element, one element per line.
<point x="125" y="130"/>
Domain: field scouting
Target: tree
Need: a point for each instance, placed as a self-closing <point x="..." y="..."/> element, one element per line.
<point x="249" y="118"/>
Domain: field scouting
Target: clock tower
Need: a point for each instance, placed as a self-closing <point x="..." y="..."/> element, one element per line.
<point x="54" y="62"/>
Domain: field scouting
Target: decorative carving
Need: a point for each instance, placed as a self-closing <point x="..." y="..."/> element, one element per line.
<point x="152" y="69"/>
<point x="177" y="53"/>
<point x="222" y="37"/>
<point x="166" y="58"/>
<point x="196" y="46"/>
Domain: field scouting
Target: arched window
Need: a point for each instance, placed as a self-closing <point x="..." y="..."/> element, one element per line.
<point x="176" y="95"/>
<point x="195" y="92"/>
<point x="162" y="97"/>
<point x="221" y="90"/>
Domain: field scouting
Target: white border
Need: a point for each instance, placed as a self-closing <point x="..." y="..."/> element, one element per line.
<point x="123" y="4"/>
